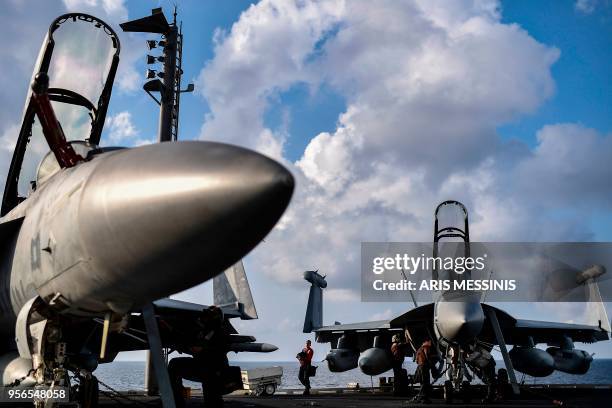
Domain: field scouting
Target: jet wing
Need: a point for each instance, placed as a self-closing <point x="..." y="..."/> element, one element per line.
<point x="517" y="331"/>
<point x="362" y="334"/>
<point x="363" y="326"/>
<point x="168" y="305"/>
<point x="179" y="317"/>
<point x="418" y="323"/>
<point x="551" y="332"/>
<point x="177" y="321"/>
<point x="177" y="325"/>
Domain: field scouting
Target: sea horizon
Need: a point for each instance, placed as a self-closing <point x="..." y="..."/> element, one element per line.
<point x="129" y="375"/>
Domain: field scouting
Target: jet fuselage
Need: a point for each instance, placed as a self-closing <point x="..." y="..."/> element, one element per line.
<point x="133" y="225"/>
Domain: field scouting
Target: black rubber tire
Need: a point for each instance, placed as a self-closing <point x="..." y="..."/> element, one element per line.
<point x="270" y="389"/>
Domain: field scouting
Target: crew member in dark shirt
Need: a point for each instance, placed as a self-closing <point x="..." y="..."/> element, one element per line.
<point x="208" y="362"/>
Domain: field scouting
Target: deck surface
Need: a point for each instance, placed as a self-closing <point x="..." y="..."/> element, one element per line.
<point x="531" y="397"/>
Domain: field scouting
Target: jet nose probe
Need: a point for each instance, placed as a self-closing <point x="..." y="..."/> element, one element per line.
<point x="158" y="219"/>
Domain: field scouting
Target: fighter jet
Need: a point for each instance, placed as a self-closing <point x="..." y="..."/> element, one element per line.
<point x="460" y="321"/>
<point x="91" y="235"/>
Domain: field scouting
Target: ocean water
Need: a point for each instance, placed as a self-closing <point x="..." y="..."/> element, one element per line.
<point x="129" y="375"/>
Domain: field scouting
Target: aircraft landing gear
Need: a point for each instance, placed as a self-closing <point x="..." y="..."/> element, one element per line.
<point x="87" y="390"/>
<point x="464" y="392"/>
<point x="448" y="392"/>
<point x="458" y="382"/>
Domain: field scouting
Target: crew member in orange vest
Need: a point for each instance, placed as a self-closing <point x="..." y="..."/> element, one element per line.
<point x="305" y="359"/>
<point x="400" y="378"/>
<point x="424" y="363"/>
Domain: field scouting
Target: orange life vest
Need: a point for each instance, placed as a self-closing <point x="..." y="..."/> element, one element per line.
<point x="422" y="355"/>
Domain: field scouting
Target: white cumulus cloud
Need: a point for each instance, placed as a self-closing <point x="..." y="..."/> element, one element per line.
<point x="585" y="6"/>
<point x="120" y="127"/>
<point x="264" y="52"/>
<point x="426" y="85"/>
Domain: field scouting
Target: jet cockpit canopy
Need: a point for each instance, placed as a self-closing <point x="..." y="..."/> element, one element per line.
<point x="451" y="236"/>
<point x="80" y="55"/>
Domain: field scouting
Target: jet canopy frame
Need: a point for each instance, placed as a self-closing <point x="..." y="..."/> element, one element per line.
<point x="448" y="231"/>
<point x="443" y="232"/>
<point x="96" y="109"/>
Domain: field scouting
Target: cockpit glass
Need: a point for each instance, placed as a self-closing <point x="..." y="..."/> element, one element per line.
<point x="82" y="55"/>
<point x="81" y="59"/>
<point x="451" y="216"/>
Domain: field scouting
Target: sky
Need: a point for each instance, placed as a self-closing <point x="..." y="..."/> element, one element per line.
<point x="381" y="110"/>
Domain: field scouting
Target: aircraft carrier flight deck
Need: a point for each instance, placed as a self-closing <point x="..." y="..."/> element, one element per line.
<point x="575" y="395"/>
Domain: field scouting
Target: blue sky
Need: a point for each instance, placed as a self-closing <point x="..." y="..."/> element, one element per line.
<point x="582" y="73"/>
<point x="200" y="20"/>
<point x="381" y="110"/>
<point x="311" y="112"/>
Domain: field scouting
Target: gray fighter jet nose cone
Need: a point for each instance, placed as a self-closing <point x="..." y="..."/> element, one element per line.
<point x="162" y="218"/>
<point x="459" y="321"/>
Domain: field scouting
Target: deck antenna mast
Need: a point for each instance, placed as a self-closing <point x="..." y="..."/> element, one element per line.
<point x="168" y="80"/>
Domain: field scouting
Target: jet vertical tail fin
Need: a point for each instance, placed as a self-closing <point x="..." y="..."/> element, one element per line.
<point x="596" y="309"/>
<point x="314" y="310"/>
<point x="231" y="288"/>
